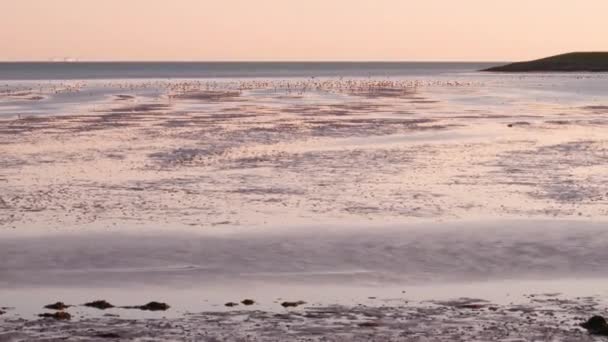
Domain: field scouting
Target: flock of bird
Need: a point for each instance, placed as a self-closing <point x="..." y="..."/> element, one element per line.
<point x="299" y="86"/>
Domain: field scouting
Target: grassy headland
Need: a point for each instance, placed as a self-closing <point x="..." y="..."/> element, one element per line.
<point x="569" y="62"/>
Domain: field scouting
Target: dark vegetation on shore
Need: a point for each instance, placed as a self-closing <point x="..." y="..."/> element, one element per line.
<point x="569" y="62"/>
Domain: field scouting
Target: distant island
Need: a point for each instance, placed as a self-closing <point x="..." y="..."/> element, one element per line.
<point x="569" y="62"/>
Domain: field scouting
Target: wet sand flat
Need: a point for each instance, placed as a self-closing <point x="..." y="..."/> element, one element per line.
<point x="327" y="155"/>
<point x="373" y="183"/>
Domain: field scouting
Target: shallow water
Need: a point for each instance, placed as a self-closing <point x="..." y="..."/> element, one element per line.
<point x="356" y="255"/>
<point x="330" y="190"/>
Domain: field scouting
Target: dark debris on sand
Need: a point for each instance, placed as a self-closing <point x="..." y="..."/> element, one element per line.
<point x="292" y="304"/>
<point x="59" y="315"/>
<point x="545" y="318"/>
<point x="99" y="304"/>
<point x="248" y="302"/>
<point x="152" y="306"/>
<point x="57" y="306"/>
<point x="596" y="325"/>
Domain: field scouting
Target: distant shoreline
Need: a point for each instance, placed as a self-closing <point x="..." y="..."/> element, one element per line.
<point x="206" y="70"/>
<point x="570" y="62"/>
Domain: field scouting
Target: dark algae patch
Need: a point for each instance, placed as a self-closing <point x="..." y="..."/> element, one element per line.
<point x="569" y="62"/>
<point x="57" y="306"/>
<point x="152" y="306"/>
<point x="59" y="315"/>
<point x="248" y="302"/>
<point x="545" y="317"/>
<point x="596" y="325"/>
<point x="99" y="304"/>
<point x="292" y="304"/>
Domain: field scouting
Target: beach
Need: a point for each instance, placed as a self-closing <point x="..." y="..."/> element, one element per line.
<point x="440" y="204"/>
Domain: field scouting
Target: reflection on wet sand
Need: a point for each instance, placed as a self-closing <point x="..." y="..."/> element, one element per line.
<point x="190" y="152"/>
<point x="211" y="157"/>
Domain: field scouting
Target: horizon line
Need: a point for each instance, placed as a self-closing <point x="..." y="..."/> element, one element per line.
<point x="245" y="61"/>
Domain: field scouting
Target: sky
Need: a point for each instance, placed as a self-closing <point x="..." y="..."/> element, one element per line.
<point x="354" y="30"/>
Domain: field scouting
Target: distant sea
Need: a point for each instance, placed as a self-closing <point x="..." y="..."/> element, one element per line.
<point x="181" y="70"/>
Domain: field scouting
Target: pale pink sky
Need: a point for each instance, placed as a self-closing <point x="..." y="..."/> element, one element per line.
<point x="300" y="29"/>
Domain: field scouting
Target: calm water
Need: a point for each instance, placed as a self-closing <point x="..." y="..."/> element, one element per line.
<point x="121" y="70"/>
